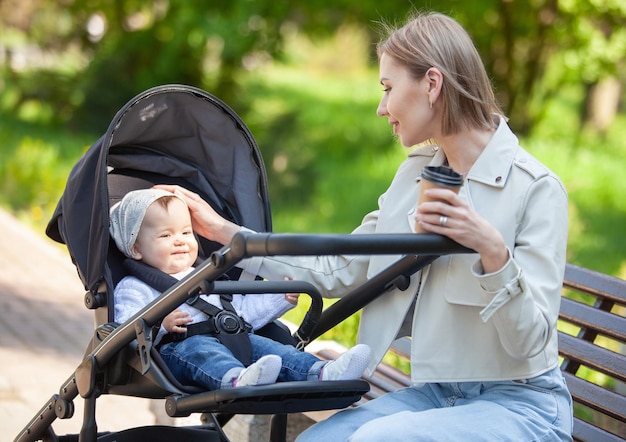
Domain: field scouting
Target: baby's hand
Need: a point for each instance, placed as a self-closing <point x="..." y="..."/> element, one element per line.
<point x="176" y="321"/>
<point x="292" y="298"/>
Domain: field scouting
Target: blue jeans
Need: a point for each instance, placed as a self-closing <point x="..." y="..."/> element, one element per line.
<point x="204" y="361"/>
<point x="537" y="409"/>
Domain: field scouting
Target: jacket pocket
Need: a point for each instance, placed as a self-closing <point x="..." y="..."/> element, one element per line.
<point x="461" y="287"/>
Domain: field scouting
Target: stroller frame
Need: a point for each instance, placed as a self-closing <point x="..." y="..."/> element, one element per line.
<point x="120" y="359"/>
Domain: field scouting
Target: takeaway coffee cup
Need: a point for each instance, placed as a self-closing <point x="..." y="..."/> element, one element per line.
<point x="437" y="176"/>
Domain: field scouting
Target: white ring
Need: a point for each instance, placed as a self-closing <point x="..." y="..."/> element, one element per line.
<point x="443" y="220"/>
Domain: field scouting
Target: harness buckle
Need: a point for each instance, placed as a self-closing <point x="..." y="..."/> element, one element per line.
<point x="228" y="322"/>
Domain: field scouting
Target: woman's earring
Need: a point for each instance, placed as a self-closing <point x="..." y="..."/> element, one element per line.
<point x="430" y="104"/>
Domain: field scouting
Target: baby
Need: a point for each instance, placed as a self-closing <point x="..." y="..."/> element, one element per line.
<point x="154" y="226"/>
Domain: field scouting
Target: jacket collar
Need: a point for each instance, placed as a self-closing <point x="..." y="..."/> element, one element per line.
<point x="495" y="162"/>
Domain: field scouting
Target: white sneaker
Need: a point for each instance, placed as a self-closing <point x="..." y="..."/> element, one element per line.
<point x="349" y="365"/>
<point x="264" y="371"/>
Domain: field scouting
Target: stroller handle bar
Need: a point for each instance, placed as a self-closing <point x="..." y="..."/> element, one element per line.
<point x="246" y="244"/>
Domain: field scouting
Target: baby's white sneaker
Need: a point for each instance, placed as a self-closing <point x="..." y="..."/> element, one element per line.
<point x="264" y="371"/>
<point x="349" y="365"/>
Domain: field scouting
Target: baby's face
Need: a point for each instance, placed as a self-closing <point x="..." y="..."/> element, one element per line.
<point x="165" y="240"/>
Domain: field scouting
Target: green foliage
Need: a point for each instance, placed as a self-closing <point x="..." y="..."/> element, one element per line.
<point x="592" y="172"/>
<point x="129" y="62"/>
<point x="319" y="136"/>
<point x="34" y="164"/>
<point x="25" y="96"/>
<point x="596" y="39"/>
<point x="128" y="46"/>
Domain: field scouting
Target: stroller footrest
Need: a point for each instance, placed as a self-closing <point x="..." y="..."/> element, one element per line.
<point x="280" y="398"/>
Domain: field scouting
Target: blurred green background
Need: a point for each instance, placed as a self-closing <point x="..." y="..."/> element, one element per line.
<point x="303" y="77"/>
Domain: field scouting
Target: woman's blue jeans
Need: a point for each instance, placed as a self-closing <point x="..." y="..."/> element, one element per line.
<point x="537" y="409"/>
<point x="203" y="360"/>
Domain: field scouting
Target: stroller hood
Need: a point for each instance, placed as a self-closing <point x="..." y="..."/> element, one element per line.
<point x="172" y="134"/>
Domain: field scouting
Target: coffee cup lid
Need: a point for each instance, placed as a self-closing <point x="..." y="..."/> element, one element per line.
<point x="442" y="175"/>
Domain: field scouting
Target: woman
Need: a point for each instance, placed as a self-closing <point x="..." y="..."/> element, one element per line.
<point x="484" y="360"/>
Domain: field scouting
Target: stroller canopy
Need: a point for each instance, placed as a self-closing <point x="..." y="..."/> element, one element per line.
<point x="172" y="134"/>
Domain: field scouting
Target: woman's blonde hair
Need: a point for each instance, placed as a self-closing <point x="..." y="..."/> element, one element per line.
<point x="435" y="40"/>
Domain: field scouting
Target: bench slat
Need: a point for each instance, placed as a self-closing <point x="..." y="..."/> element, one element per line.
<point x="597" y="398"/>
<point x="597" y="358"/>
<point x="396" y="376"/>
<point x="595" y="283"/>
<point x="591" y="318"/>
<point x="585" y="432"/>
<point x="402" y="347"/>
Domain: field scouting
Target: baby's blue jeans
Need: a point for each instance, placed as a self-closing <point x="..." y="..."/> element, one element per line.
<point x="203" y="360"/>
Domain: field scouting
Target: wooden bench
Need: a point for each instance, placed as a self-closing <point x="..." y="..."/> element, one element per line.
<point x="592" y="345"/>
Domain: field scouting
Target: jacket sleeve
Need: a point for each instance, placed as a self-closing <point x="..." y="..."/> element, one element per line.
<point x="524" y="296"/>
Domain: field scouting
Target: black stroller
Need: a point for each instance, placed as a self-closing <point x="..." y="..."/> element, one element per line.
<point x="177" y="134"/>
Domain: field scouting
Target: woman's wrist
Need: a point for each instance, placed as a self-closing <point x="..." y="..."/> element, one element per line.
<point x="224" y="234"/>
<point x="494" y="259"/>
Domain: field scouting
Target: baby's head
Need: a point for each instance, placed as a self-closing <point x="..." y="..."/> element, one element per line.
<point x="154" y="226"/>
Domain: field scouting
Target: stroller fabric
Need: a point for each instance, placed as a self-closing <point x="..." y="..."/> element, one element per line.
<point x="170" y="134"/>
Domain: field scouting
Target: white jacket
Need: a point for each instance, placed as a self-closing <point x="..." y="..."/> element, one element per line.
<point x="451" y="341"/>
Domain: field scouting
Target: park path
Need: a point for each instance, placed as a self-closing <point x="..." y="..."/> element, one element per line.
<point x="44" y="330"/>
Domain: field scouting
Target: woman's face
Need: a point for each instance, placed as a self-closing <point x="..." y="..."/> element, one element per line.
<point x="405" y="103"/>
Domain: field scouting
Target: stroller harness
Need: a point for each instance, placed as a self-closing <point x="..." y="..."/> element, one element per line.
<point x="224" y="324"/>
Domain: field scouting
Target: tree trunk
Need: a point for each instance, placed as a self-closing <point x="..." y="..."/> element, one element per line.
<point x="601" y="104"/>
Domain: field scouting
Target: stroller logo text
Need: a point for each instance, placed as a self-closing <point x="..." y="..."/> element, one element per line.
<point x="151" y="111"/>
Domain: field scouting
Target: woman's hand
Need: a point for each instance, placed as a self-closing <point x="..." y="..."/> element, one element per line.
<point x="451" y="216"/>
<point x="176" y="322"/>
<point x="206" y="222"/>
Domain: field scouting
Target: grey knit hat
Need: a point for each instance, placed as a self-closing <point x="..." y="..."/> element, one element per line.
<point x="127" y="215"/>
